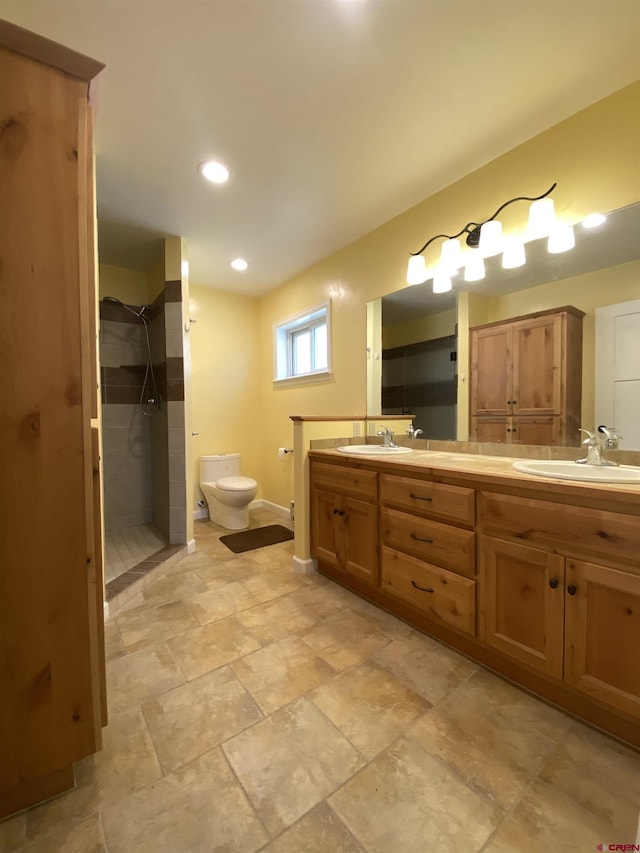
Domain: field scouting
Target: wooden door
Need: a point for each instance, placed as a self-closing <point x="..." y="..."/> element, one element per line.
<point x="491" y="370"/>
<point x="521" y="603"/>
<point x="325" y="544"/>
<point x="537" y="363"/>
<point x="602" y="639"/>
<point x="543" y="430"/>
<point x="360" y="531"/>
<point x="490" y="429"/>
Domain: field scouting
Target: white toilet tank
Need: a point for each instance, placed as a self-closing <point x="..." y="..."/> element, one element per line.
<point x="213" y="468"/>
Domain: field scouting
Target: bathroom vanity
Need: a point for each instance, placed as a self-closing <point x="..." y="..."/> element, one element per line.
<point x="537" y="579"/>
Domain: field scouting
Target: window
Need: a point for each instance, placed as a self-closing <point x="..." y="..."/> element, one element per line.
<point x="302" y="344"/>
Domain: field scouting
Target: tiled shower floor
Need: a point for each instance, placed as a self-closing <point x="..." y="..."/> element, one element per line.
<point x="127" y="546"/>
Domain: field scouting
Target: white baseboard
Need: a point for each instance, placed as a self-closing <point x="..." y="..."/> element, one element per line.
<point x="259" y="504"/>
<point x="106" y="610"/>
<point x="191" y="546"/>
<point x="201" y="512"/>
<point x="305" y="567"/>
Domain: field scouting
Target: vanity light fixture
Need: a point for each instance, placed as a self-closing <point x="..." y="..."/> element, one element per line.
<point x="487" y="238"/>
<point x="214" y="171"/>
<point x="239" y="264"/>
<point x="593" y="220"/>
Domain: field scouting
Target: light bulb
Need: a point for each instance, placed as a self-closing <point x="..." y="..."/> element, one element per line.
<point x="239" y="264"/>
<point x="213" y="171"/>
<point x="451" y="257"/>
<point x="441" y="282"/>
<point x="513" y="255"/>
<point x="417" y="270"/>
<point x="561" y="239"/>
<point x="474" y="268"/>
<point x="491" y="241"/>
<point x="542" y="218"/>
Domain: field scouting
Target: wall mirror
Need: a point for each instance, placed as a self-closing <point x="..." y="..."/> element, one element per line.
<point x="414" y="334"/>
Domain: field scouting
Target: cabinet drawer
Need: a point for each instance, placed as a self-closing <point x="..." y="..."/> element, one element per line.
<point x="441" y="544"/>
<point x="440" y="594"/>
<point x="344" y="481"/>
<point x="570" y="528"/>
<point x="434" y="500"/>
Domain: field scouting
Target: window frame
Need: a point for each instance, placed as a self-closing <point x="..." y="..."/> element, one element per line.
<point x="284" y="336"/>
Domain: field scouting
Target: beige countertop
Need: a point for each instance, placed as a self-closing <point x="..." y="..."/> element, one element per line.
<point x="496" y="470"/>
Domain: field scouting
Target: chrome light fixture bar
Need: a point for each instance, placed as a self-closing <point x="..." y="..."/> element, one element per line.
<point x="487" y="238"/>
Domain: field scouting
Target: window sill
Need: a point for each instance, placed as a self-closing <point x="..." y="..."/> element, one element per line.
<point x="305" y="379"/>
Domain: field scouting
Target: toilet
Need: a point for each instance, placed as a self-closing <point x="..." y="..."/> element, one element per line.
<point x="228" y="494"/>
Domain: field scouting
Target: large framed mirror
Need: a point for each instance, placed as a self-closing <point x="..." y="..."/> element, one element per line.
<point x="419" y="341"/>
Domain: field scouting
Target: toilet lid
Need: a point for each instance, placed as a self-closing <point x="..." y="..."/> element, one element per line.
<point x="235" y="484"/>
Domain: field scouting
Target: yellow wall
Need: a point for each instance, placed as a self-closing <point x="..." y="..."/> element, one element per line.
<point x="130" y="286"/>
<point x="423" y="329"/>
<point x="593" y="156"/>
<point x="225" y="358"/>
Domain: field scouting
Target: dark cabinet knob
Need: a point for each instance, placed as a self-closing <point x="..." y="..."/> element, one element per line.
<point x="572" y="589"/>
<point x="553" y="583"/>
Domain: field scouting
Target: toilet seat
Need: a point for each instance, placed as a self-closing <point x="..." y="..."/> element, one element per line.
<point x="235" y="484"/>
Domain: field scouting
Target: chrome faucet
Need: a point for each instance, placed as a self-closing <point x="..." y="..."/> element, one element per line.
<point x="611" y="438"/>
<point x="387" y="435"/>
<point x="413" y="433"/>
<point x="594" y="449"/>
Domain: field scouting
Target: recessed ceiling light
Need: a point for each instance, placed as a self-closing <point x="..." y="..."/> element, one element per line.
<point x="213" y="171"/>
<point x="593" y="220"/>
<point x="239" y="264"/>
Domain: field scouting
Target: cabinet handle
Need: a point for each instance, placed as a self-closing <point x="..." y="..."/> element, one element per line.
<point x="420" y="539"/>
<point x="553" y="583"/>
<point x="571" y="589"/>
<point x="339" y="512"/>
<point x="421" y="588"/>
<point x="419" y="497"/>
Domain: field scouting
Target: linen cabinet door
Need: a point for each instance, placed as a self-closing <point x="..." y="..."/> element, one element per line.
<point x="537" y="362"/>
<point x="491" y="371"/>
<point x="602" y="640"/>
<point x="521" y="603"/>
<point x="360" y="531"/>
<point x="325" y="527"/>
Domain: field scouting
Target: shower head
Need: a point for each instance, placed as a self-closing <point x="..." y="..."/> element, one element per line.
<point x="112" y="300"/>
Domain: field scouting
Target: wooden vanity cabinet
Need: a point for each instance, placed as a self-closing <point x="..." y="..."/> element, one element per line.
<point x="526" y="378"/>
<point x="344" y="527"/>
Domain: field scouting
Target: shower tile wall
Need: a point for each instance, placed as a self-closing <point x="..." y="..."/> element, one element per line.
<point x="174" y="297"/>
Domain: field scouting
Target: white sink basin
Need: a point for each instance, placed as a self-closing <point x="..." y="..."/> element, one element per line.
<point x="562" y="470"/>
<point x="372" y="450"/>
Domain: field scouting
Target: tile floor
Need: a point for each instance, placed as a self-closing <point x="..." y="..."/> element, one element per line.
<point x="125" y="547"/>
<point x="253" y="709"/>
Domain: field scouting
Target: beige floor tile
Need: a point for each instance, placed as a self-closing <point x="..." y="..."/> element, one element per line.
<point x="488" y="732"/>
<point x="319" y="831"/>
<point x="407" y="800"/>
<point x="190" y="720"/>
<point x="147" y="625"/>
<point x="216" y="574"/>
<point x="173" y="588"/>
<point x="428" y="667"/>
<point x="547" y="819"/>
<point x="276" y="619"/>
<point x="221" y="602"/>
<point x="271" y="584"/>
<point x="210" y="646"/>
<point x="290" y="761"/>
<point x="272" y="556"/>
<point x="281" y="672"/>
<point x="113" y="645"/>
<point x="323" y="598"/>
<point x="197" y="809"/>
<point x="345" y="639"/>
<point x="369" y="706"/>
<point x="600" y="775"/>
<point x="126" y="763"/>
<point x="83" y="837"/>
<point x="140" y="675"/>
<point x="12" y="833"/>
<point x="393" y="627"/>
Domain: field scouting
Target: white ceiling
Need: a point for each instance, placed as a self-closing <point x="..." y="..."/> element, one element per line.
<point x="333" y="116"/>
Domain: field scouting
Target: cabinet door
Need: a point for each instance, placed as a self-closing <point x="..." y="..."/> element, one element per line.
<point x="325" y="532"/>
<point x="537" y="363"/>
<point x="359" y="525"/>
<point x="491" y="371"/>
<point x="536" y="430"/>
<point x="602" y="640"/>
<point x="488" y="429"/>
<point x="521" y="607"/>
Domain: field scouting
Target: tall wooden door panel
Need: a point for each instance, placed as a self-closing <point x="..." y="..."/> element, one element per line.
<point x="521" y="603"/>
<point x="603" y="617"/>
<point x="490" y="371"/>
<point x="537" y="348"/>
<point x="360" y="524"/>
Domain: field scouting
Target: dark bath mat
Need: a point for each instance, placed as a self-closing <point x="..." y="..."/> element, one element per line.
<point x="257" y="538"/>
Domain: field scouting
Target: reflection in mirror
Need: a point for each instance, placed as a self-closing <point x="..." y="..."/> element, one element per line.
<point x="602" y="270"/>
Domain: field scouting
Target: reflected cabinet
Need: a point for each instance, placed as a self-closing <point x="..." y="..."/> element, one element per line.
<point x="526" y="379"/>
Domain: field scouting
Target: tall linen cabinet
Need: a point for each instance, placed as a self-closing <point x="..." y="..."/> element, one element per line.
<point x="52" y="691"/>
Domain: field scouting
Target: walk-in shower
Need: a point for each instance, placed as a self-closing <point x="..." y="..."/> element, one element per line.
<point x="149" y="396"/>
